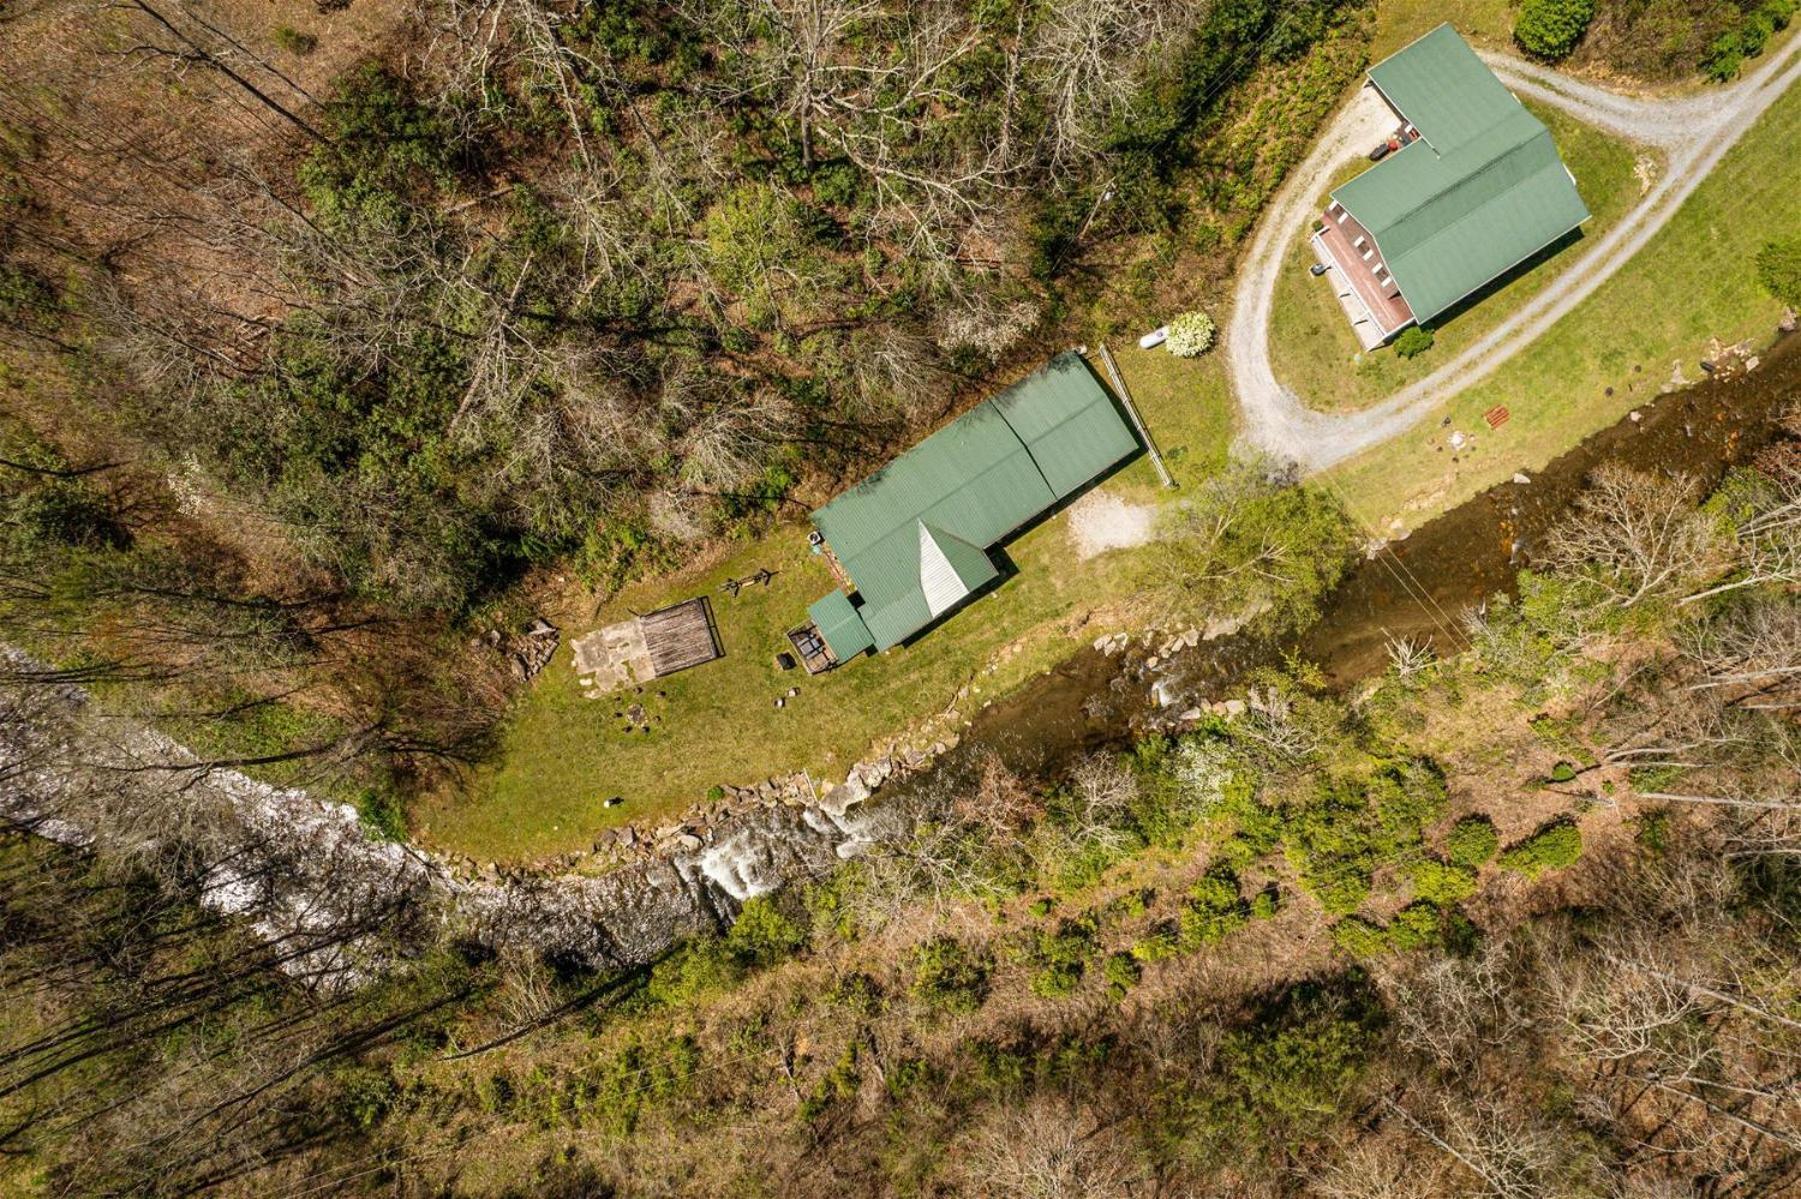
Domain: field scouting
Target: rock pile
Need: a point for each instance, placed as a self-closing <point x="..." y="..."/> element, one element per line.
<point x="526" y="652"/>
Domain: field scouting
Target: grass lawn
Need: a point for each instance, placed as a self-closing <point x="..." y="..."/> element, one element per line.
<point x="1482" y="22"/>
<point x="563" y="754"/>
<point x="1693" y="282"/>
<point x="1316" y="353"/>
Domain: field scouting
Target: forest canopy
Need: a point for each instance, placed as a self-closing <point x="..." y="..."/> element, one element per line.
<point x="587" y="280"/>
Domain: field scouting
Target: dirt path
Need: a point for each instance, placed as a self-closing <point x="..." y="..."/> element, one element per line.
<point x="1694" y="131"/>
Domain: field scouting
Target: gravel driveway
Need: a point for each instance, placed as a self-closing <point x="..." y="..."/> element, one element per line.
<point x="1694" y="131"/>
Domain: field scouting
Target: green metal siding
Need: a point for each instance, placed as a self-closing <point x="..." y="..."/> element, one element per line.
<point x="1466" y="204"/>
<point x="972" y="565"/>
<point x="894" y="617"/>
<point x="973" y="477"/>
<point x="837" y="620"/>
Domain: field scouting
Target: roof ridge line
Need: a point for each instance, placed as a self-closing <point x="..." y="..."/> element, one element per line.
<point x="1488" y="165"/>
<point x="1030" y="456"/>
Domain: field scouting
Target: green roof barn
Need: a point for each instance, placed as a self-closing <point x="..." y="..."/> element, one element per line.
<point x="1476" y="189"/>
<point x="914" y="537"/>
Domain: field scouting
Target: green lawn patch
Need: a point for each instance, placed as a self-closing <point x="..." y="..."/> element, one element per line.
<point x="1481" y="22"/>
<point x="1696" y="280"/>
<point x="563" y="755"/>
<point x="1313" y="348"/>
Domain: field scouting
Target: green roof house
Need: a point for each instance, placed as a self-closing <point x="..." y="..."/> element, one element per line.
<point x="1475" y="188"/>
<point x="914" y="538"/>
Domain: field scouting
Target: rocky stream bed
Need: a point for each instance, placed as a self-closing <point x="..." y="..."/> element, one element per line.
<point x="302" y="869"/>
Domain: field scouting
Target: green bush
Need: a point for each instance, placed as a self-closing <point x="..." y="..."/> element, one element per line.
<point x="948" y="976"/>
<point x="24" y="294"/>
<point x="1359" y="937"/>
<point x="1122" y="971"/>
<point x="690" y="971"/>
<point x="1337" y="841"/>
<point x="1473" y="841"/>
<point x="45" y="518"/>
<point x="1156" y="946"/>
<point x="839" y="1085"/>
<point x="1554" y="847"/>
<point x="1550" y="29"/>
<point x="1292" y="1069"/>
<point x="617" y="1091"/>
<point x="857" y="993"/>
<point x="1443" y="883"/>
<point x="1415" y="926"/>
<point x="1414" y="341"/>
<point x="1061" y="957"/>
<point x="1132" y="904"/>
<point x="1190" y="335"/>
<point x="1214" y="911"/>
<point x="364" y="1096"/>
<point x="1747" y="38"/>
<point x="1779" y="269"/>
<point x="762" y="936"/>
<point x="1654" y="831"/>
<point x="382" y="813"/>
<point x="1458" y="933"/>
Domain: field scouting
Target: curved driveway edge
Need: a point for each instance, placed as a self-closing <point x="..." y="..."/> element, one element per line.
<point x="1694" y="131"/>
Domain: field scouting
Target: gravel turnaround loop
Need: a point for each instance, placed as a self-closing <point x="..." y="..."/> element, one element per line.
<point x="1694" y="132"/>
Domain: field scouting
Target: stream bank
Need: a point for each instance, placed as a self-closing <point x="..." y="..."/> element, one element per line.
<point x="300" y="868"/>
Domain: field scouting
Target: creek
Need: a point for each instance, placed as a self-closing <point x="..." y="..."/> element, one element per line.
<point x="297" y="862"/>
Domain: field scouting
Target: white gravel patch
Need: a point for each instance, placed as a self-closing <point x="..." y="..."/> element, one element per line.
<point x="1099" y="522"/>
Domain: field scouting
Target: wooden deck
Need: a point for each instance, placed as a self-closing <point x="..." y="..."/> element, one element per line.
<point x="1361" y="267"/>
<point x="681" y="636"/>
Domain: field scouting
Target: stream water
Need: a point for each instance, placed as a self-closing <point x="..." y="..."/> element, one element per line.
<point x="1418" y="588"/>
<point x="296" y="857"/>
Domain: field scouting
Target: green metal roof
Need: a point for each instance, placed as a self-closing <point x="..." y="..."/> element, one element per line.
<point x="1067" y="422"/>
<point x="1439" y="84"/>
<point x="914" y="536"/>
<point x="1480" y="192"/>
<point x="838" y="622"/>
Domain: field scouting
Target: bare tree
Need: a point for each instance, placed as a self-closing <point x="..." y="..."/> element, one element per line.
<point x="1768" y="540"/>
<point x="1637" y="537"/>
<point x="1455" y="1010"/>
<point x="1274" y="720"/>
<point x="1048" y="1150"/>
<point x="1751" y="656"/>
<point x="1381" y="1167"/>
<point x="1512" y="1158"/>
<point x="1087" y="57"/>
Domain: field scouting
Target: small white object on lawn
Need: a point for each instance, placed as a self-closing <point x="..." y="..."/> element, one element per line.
<point x="1154" y="338"/>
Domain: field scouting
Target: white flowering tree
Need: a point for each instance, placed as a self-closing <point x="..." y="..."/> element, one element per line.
<point x="1190" y="335"/>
